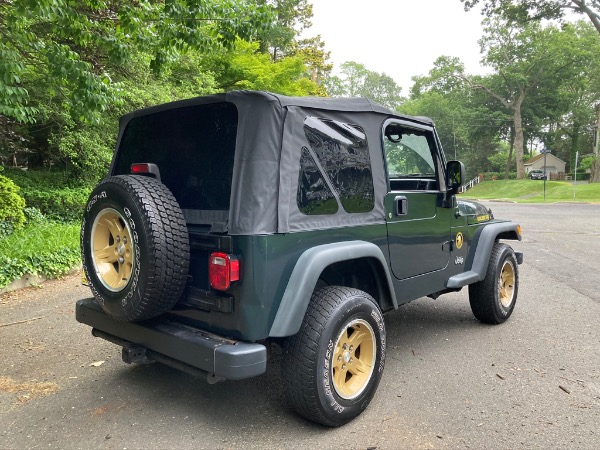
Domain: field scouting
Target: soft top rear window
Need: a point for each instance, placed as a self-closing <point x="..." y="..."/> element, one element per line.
<point x="193" y="148"/>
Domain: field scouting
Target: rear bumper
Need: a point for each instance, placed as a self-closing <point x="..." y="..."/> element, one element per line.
<point x="172" y="341"/>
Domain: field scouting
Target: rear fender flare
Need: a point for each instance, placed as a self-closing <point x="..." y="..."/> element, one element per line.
<point x="306" y="273"/>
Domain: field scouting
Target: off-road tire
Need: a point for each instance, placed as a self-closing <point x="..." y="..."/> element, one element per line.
<point x="326" y="382"/>
<point x="135" y="247"/>
<point x="493" y="298"/>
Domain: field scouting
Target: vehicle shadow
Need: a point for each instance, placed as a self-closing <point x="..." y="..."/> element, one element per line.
<point x="234" y="410"/>
<point x="246" y="401"/>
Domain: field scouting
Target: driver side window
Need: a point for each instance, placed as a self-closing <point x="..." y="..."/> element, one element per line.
<point x="409" y="158"/>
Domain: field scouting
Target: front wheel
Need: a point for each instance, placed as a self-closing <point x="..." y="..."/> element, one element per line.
<point x="493" y="298"/>
<point x="333" y="365"/>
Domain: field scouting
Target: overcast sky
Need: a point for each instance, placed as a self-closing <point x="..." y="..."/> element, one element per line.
<point x="401" y="38"/>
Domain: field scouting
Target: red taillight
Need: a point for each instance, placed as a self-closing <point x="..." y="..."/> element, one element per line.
<point x="140" y="168"/>
<point x="223" y="269"/>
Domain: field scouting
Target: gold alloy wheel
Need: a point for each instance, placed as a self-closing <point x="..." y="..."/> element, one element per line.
<point x="112" y="250"/>
<point x="354" y="359"/>
<point x="506" y="284"/>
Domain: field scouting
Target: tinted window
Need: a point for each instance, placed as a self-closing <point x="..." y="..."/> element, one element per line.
<point x="343" y="153"/>
<point x="193" y="148"/>
<point x="314" y="196"/>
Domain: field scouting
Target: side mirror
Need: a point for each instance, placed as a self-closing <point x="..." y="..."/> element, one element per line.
<point x="455" y="176"/>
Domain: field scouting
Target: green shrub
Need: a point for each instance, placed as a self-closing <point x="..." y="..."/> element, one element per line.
<point x="34" y="216"/>
<point x="65" y="205"/>
<point x="54" y="193"/>
<point x="49" y="249"/>
<point x="11" y="207"/>
<point x="499" y="175"/>
<point x="580" y="176"/>
<point x="44" y="179"/>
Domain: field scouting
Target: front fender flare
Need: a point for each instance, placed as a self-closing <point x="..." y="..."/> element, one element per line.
<point x="306" y="273"/>
<point x="483" y="242"/>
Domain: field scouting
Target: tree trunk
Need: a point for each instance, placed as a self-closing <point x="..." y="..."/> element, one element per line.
<point x="595" y="175"/>
<point x="510" y="153"/>
<point x="589" y="12"/>
<point x="519" y="138"/>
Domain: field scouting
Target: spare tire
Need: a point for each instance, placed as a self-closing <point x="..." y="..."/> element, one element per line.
<point x="135" y="247"/>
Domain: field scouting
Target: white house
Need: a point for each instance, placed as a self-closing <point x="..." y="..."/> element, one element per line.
<point x="554" y="165"/>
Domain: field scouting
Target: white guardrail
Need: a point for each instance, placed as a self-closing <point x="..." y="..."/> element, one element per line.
<point x="465" y="187"/>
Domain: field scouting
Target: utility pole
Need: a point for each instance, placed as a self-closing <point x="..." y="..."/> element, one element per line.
<point x="545" y="152"/>
<point x="597" y="130"/>
<point x="595" y="175"/>
<point x="454" y="135"/>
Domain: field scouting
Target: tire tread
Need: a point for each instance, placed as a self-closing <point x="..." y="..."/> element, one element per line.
<point x="301" y="352"/>
<point x="483" y="294"/>
<point x="168" y="244"/>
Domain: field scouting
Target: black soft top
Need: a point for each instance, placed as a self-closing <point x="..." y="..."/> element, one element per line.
<point x="266" y="164"/>
<point x="268" y="99"/>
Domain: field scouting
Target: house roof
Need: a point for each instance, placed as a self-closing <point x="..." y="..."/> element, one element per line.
<point x="540" y="156"/>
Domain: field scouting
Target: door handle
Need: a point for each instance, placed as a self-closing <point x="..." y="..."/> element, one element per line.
<point x="401" y="205"/>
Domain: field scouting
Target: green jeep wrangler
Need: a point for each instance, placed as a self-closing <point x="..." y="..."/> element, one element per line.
<point x="234" y="221"/>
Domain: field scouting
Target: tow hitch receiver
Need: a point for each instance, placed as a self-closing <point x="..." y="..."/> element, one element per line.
<point x="135" y="354"/>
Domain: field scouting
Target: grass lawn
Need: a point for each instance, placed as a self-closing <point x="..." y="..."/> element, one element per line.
<point x="532" y="191"/>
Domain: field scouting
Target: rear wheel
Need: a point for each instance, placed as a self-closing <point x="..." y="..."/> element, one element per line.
<point x="334" y="363"/>
<point x="135" y="247"/>
<point x="493" y="299"/>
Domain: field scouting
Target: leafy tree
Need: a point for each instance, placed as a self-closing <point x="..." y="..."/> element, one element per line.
<point x="312" y="51"/>
<point x="522" y="11"/>
<point x="569" y="112"/>
<point x="283" y="39"/>
<point x="290" y="18"/>
<point x="355" y="80"/>
<point x="246" y="68"/>
<point x="444" y="78"/>
<point x="64" y="65"/>
<point x="469" y="123"/>
<point x="69" y="49"/>
<point x="522" y="63"/>
<point x="556" y="70"/>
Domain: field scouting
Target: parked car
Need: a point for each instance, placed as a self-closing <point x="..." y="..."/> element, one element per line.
<point x="236" y="221"/>
<point x="537" y="174"/>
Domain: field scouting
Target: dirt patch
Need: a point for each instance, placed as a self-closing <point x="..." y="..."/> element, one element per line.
<point x="27" y="391"/>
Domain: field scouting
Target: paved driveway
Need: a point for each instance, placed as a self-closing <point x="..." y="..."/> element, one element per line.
<point x="449" y="382"/>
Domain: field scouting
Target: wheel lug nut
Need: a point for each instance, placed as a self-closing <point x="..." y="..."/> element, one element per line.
<point x="121" y="260"/>
<point x="344" y="346"/>
<point x="339" y="357"/>
<point x="351" y="348"/>
<point x="343" y="366"/>
<point x="118" y="239"/>
<point x="124" y="240"/>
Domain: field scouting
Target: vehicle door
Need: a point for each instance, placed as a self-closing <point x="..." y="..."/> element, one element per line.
<point x="417" y="225"/>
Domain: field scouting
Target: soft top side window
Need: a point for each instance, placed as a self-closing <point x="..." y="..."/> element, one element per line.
<point x="334" y="167"/>
<point x="410" y="158"/>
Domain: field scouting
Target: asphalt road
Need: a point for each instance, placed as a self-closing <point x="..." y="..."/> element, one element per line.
<point x="449" y="381"/>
